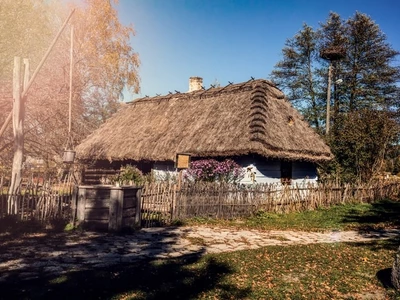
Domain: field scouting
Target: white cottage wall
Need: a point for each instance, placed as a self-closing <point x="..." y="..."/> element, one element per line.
<point x="264" y="170"/>
<point x="269" y="171"/>
<point x="164" y="171"/>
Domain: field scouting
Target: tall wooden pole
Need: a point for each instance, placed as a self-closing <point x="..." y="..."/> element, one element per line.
<point x="17" y="132"/>
<point x="18" y="115"/>
<point x="70" y="83"/>
<point x="26" y="77"/>
<point x="328" y="99"/>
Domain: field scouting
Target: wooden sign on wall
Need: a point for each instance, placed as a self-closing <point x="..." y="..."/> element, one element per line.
<point x="182" y="161"/>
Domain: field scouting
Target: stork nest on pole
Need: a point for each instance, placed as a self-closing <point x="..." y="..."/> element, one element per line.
<point x="333" y="53"/>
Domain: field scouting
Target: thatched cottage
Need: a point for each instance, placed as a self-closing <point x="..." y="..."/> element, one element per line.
<point x="250" y="122"/>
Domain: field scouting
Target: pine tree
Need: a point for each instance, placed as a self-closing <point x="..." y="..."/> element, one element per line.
<point x="367" y="91"/>
<point x="371" y="77"/>
<point x="295" y="74"/>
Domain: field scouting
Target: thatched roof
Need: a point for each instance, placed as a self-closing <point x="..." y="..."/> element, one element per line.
<point x="239" y="119"/>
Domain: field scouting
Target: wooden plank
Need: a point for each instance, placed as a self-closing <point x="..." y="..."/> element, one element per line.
<point x="93" y="176"/>
<point x="81" y="204"/>
<point x="130" y="197"/>
<point x="96" y="214"/>
<point x="129" y="212"/>
<point x="138" y="216"/>
<point x="116" y="208"/>
<point x="129" y="192"/>
<point x="130" y="202"/>
<point x="98" y="193"/>
<point x="74" y="204"/>
<point x="98" y="225"/>
<point x="128" y="222"/>
<point x="101" y="171"/>
<point x="97" y="203"/>
<point x="98" y="221"/>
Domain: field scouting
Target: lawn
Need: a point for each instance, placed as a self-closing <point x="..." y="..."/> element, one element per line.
<point x="360" y="216"/>
<point x="320" y="271"/>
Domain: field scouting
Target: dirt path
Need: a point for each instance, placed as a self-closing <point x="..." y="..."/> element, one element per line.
<point x="30" y="256"/>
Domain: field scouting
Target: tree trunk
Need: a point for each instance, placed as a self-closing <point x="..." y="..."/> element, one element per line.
<point x="395" y="278"/>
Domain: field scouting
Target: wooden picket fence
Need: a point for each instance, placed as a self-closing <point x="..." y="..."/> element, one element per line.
<point x="162" y="203"/>
<point x="41" y="200"/>
<point x="157" y="204"/>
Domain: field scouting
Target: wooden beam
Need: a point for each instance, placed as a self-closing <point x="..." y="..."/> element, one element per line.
<point x="70" y="82"/>
<point x="116" y="209"/>
<point x="18" y="130"/>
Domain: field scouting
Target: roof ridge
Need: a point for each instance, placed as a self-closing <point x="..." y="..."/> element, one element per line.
<point x="211" y="92"/>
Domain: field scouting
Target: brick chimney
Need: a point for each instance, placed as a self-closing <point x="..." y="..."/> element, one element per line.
<point x="195" y="83"/>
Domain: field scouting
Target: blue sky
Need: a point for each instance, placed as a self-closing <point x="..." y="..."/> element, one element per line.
<point x="229" y="40"/>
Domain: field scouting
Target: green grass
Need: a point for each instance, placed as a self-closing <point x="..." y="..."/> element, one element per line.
<point x="364" y="216"/>
<point x="319" y="271"/>
<point x="323" y="271"/>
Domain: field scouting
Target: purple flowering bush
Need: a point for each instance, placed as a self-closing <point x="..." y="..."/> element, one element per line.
<point x="212" y="170"/>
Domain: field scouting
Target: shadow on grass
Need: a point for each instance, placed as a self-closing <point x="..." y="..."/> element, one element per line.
<point x="36" y="264"/>
<point x="378" y="220"/>
<point x="184" y="278"/>
<point x="382" y="214"/>
<point x="12" y="226"/>
<point x="384" y="276"/>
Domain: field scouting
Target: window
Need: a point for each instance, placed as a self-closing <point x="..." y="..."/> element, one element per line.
<point x="286" y="172"/>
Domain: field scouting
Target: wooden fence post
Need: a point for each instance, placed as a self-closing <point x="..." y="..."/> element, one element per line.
<point x="74" y="204"/>
<point x="138" y="216"/>
<point x="116" y="209"/>
<point x="81" y="204"/>
<point x="173" y="203"/>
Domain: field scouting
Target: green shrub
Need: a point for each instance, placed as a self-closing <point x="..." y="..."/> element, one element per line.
<point x="129" y="175"/>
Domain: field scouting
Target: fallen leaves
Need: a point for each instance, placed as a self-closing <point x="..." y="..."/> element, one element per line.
<point x="303" y="271"/>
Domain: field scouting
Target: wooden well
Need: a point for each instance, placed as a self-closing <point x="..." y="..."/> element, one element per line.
<point x="100" y="207"/>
